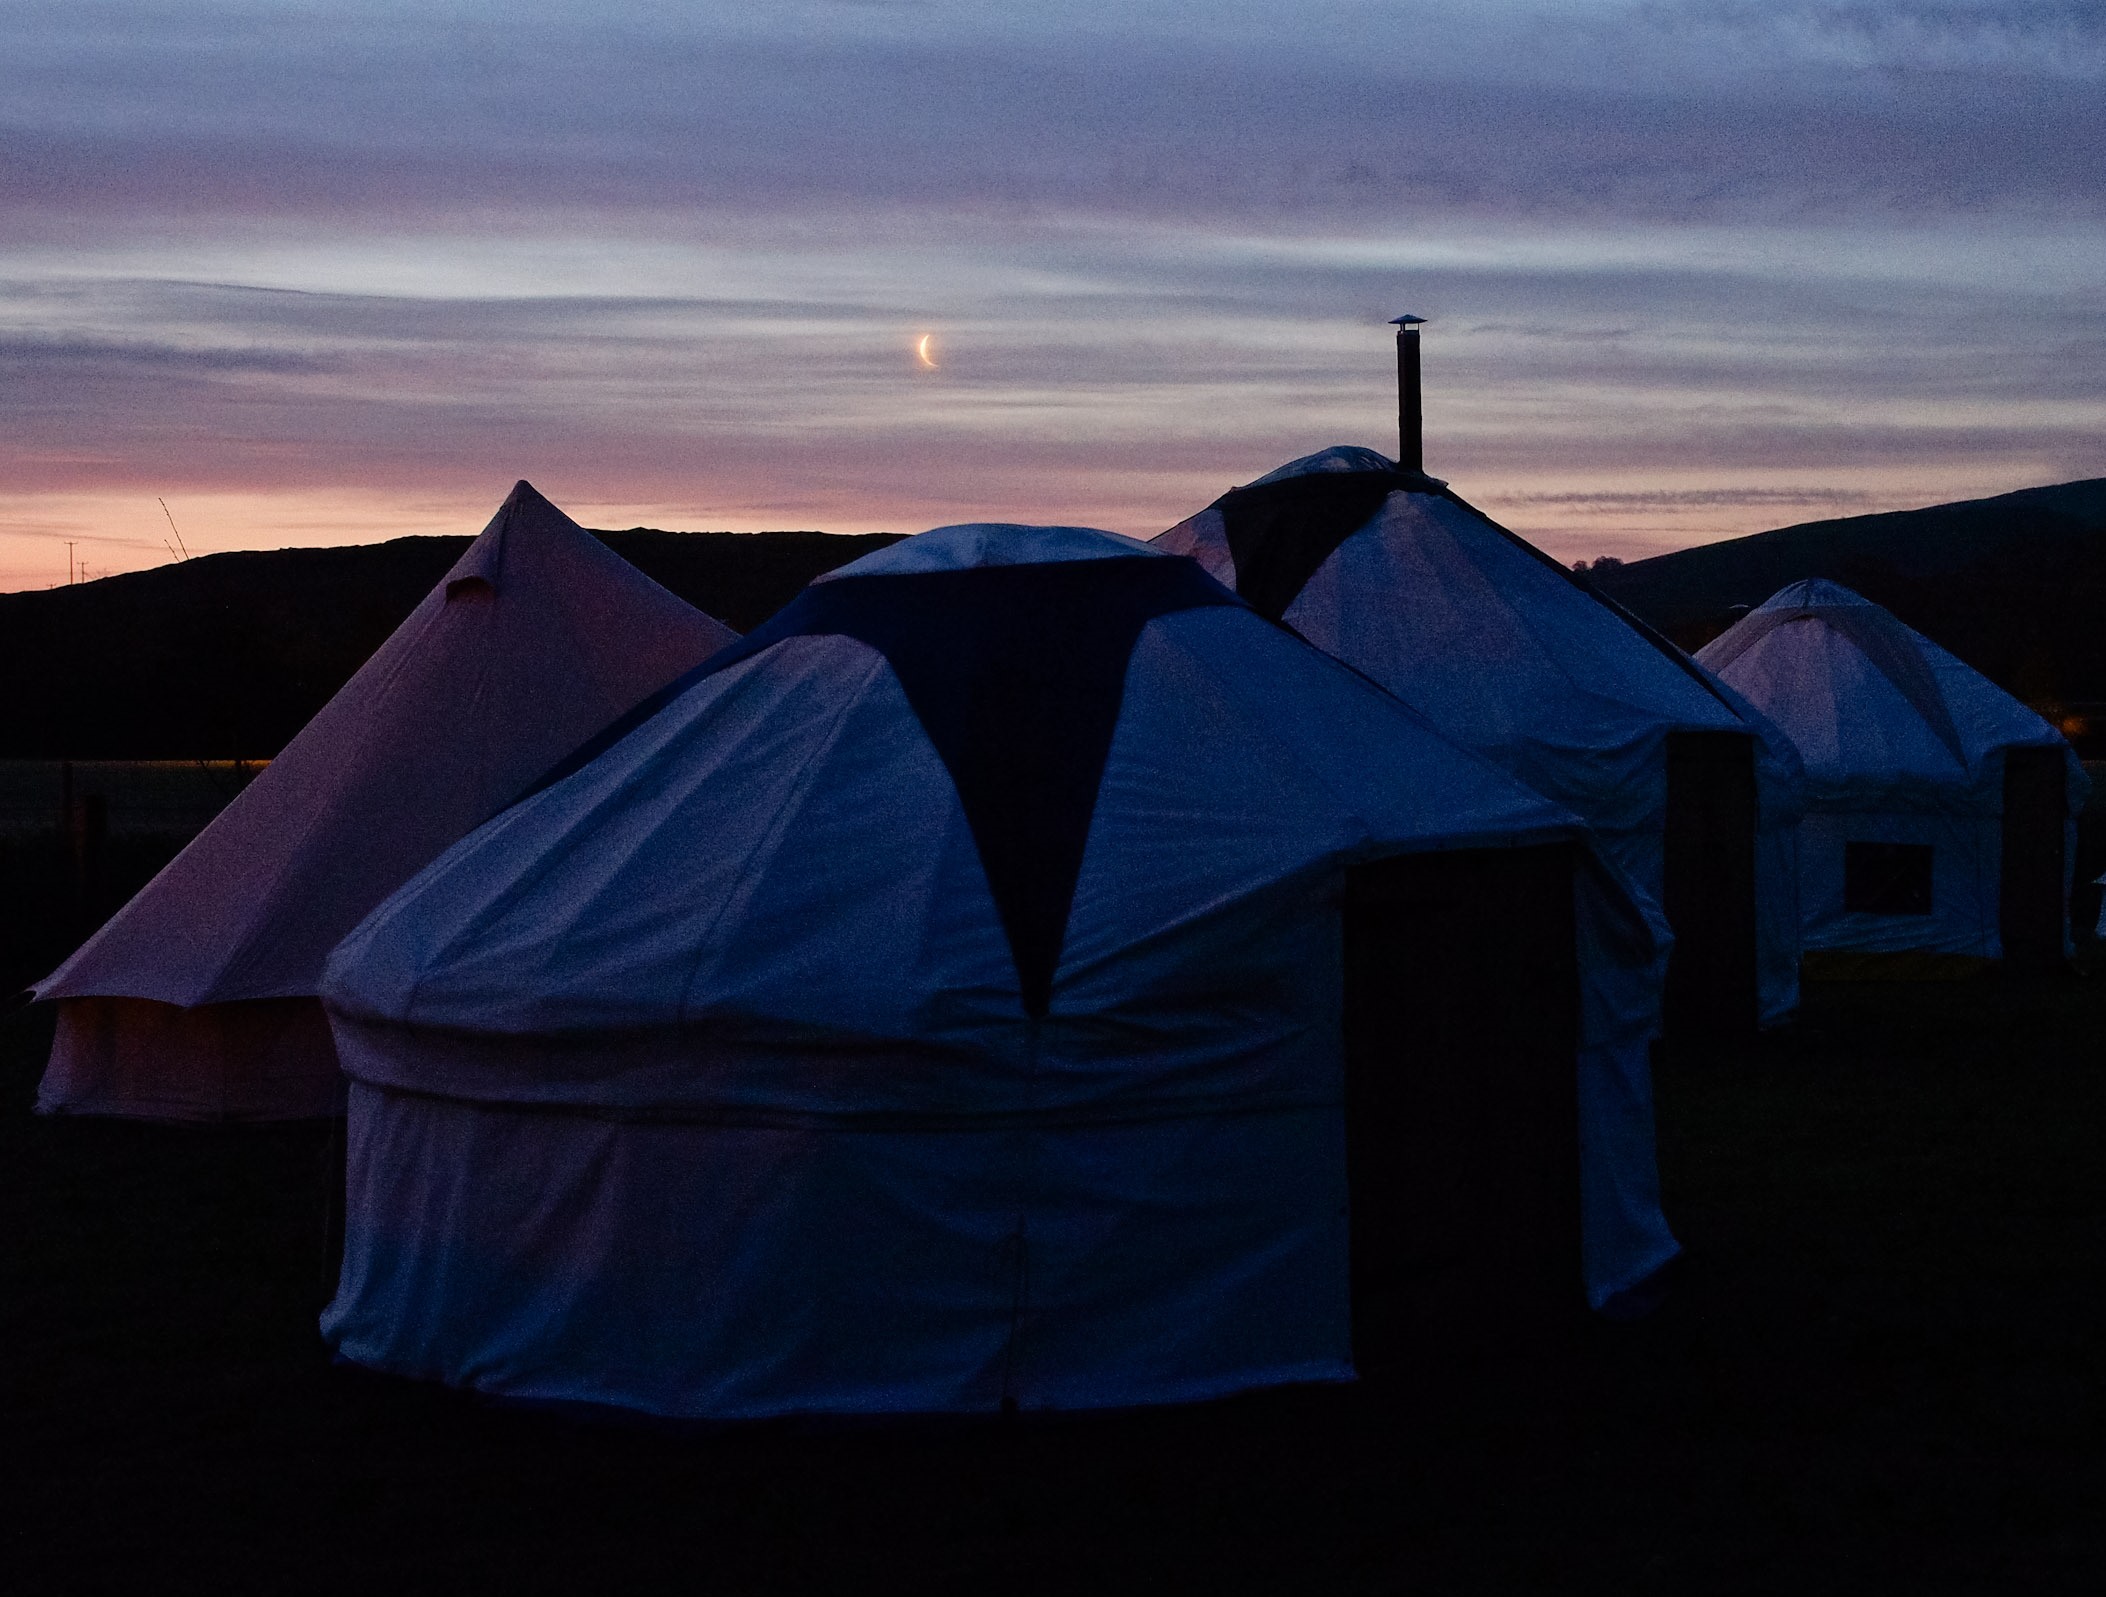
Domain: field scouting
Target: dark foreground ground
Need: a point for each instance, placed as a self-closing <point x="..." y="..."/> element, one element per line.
<point x="1881" y="1372"/>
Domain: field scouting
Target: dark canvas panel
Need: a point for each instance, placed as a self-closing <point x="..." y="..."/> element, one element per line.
<point x="1016" y="674"/>
<point x="1280" y="532"/>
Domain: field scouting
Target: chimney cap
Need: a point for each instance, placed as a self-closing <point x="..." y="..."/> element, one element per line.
<point x="1405" y="321"/>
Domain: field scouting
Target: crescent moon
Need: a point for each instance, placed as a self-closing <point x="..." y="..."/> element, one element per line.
<point x="921" y="350"/>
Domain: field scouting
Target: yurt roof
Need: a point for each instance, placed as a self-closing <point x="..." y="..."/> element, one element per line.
<point x="1402" y="577"/>
<point x="827" y="831"/>
<point x="1862" y="694"/>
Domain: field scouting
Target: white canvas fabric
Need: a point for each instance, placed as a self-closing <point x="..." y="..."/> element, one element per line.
<point x="1901" y="743"/>
<point x="704" y="1081"/>
<point x="178" y="1007"/>
<point x="1498" y="647"/>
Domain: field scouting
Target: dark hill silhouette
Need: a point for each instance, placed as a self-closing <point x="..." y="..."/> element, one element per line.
<point x="227" y="656"/>
<point x="2014" y="585"/>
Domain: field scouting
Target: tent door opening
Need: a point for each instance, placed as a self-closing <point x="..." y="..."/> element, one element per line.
<point x="1709" y="883"/>
<point x="1462" y="1117"/>
<point x="2030" y="908"/>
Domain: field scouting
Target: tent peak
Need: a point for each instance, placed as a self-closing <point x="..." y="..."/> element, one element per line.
<point x="1339" y="457"/>
<point x="1814" y="591"/>
<point x="526" y="497"/>
<point x="992" y="543"/>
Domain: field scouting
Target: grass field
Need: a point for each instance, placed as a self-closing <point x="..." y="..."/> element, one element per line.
<point x="1880" y="1372"/>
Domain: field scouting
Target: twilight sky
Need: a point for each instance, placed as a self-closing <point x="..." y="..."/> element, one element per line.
<point x="336" y="271"/>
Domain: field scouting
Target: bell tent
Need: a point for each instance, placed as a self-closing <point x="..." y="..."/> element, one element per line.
<point x="196" y="1001"/>
<point x="1941" y="812"/>
<point x="985" y="985"/>
<point x="1508" y="653"/>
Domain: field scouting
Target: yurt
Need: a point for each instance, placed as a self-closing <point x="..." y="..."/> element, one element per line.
<point x="1941" y="812"/>
<point x="1510" y="654"/>
<point x="197" y="1000"/>
<point x="1016" y="975"/>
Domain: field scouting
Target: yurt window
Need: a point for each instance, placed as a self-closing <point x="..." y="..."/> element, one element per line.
<point x="1887" y="878"/>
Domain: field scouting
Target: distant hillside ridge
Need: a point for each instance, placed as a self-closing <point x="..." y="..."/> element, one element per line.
<point x="226" y="656"/>
<point x="2014" y="585"/>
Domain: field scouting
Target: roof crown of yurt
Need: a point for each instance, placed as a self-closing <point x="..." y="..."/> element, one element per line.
<point x="1941" y="812"/>
<point x="1516" y="656"/>
<point x="1018" y="974"/>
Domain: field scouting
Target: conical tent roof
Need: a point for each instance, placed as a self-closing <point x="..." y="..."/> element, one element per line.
<point x="1474" y="627"/>
<point x="537" y="636"/>
<point x="1878" y="711"/>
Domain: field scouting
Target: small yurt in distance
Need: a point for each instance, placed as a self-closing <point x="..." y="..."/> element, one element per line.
<point x="987" y="985"/>
<point x="1511" y="655"/>
<point x="196" y="1001"/>
<point x="1941" y="812"/>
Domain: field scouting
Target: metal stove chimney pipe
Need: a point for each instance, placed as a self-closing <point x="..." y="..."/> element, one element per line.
<point x="1411" y="421"/>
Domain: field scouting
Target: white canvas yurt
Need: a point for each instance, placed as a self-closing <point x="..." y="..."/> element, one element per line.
<point x="1016" y="975"/>
<point x="196" y="1001"/>
<point x="1694" y="796"/>
<point x="1941" y="812"/>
